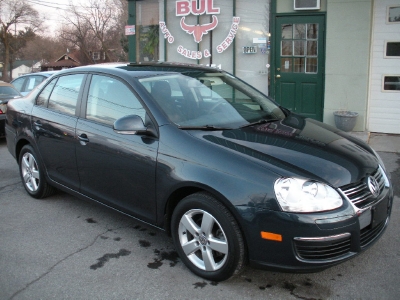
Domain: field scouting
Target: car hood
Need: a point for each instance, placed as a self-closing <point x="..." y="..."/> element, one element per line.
<point x="299" y="146"/>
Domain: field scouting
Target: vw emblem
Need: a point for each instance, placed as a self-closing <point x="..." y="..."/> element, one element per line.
<point x="203" y="240"/>
<point x="373" y="186"/>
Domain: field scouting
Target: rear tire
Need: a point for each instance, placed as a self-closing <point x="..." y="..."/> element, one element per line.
<point x="207" y="237"/>
<point x="32" y="174"/>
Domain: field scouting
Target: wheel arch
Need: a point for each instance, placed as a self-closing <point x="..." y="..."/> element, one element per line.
<point x="180" y="193"/>
<point x="19" y="145"/>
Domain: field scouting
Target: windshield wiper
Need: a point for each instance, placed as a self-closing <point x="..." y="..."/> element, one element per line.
<point x="205" y="127"/>
<point x="261" y="121"/>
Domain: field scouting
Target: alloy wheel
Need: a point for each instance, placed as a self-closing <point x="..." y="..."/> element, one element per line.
<point x="203" y="240"/>
<point x="30" y="172"/>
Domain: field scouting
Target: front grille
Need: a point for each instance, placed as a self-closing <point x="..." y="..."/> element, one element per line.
<point x="322" y="249"/>
<point x="367" y="235"/>
<point x="359" y="193"/>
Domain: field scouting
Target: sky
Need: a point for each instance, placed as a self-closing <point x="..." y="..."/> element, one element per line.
<point x="52" y="10"/>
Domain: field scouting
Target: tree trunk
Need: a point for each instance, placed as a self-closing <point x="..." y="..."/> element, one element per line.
<point x="6" y="60"/>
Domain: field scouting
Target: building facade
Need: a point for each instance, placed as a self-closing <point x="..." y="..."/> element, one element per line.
<point x="314" y="57"/>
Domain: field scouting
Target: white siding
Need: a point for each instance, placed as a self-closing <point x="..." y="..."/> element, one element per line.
<point x="21" y="70"/>
<point x="383" y="106"/>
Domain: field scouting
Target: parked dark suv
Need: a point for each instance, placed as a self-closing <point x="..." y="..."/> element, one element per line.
<point x="231" y="175"/>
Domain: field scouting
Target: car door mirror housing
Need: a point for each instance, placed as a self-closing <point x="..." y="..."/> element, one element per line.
<point x="132" y="124"/>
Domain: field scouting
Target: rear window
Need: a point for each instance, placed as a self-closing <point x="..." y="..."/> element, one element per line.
<point x="7" y="90"/>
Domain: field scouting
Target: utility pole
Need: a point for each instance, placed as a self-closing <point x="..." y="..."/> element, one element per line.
<point x="132" y="38"/>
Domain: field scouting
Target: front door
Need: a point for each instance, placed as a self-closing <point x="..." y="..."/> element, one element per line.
<point x="116" y="169"/>
<point x="299" y="64"/>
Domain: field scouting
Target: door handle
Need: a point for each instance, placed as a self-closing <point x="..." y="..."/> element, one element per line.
<point x="278" y="76"/>
<point x="83" y="139"/>
<point x="38" y="125"/>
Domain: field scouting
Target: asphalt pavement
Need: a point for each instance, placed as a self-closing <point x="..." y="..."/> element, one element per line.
<point x="66" y="248"/>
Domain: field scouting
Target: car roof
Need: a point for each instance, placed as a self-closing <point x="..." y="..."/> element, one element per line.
<point x="141" y="69"/>
<point x="44" y="73"/>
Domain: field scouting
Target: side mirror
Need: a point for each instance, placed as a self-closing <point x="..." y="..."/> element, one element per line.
<point x="131" y="124"/>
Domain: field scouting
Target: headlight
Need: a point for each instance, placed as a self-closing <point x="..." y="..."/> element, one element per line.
<point x="301" y="195"/>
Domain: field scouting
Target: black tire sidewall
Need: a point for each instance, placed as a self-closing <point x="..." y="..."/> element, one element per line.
<point x="213" y="207"/>
<point x="40" y="191"/>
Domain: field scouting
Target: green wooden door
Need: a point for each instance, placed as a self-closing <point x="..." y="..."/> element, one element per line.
<point x="299" y="64"/>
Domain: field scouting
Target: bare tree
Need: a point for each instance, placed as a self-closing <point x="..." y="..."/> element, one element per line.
<point x="94" y="26"/>
<point x="15" y="13"/>
<point x="77" y="32"/>
<point x="34" y="49"/>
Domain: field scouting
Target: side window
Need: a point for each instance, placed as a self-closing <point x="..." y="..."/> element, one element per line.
<point x="65" y="94"/>
<point x="18" y="83"/>
<point x="109" y="99"/>
<point x="43" y="97"/>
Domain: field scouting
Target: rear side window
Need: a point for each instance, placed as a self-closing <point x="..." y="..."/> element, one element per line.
<point x="43" y="97"/>
<point x="32" y="82"/>
<point x="64" y="96"/>
<point x="110" y="99"/>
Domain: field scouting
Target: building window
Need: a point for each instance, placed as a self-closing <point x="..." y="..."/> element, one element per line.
<point x="96" y="55"/>
<point x="147" y="29"/>
<point x="299" y="48"/>
<point x="392" y="49"/>
<point x="391" y="83"/>
<point x="393" y="14"/>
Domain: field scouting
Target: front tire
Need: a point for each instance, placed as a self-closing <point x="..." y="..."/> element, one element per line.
<point x="32" y="174"/>
<point x="207" y="237"/>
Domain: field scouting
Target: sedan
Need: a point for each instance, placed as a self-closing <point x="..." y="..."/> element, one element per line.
<point x="232" y="176"/>
<point x="7" y="92"/>
<point x="27" y="82"/>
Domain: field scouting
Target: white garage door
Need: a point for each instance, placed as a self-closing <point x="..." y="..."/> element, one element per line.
<point x="384" y="95"/>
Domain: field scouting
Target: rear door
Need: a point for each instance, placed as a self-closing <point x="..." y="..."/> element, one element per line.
<point x="53" y="124"/>
<point x="116" y="169"/>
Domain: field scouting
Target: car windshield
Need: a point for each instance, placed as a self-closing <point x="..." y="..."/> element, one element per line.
<point x="210" y="100"/>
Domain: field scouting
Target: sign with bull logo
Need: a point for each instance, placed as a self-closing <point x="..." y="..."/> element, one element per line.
<point x="199" y="30"/>
<point x="199" y="7"/>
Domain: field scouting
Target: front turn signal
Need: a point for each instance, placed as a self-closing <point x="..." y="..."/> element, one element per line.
<point x="271" y="236"/>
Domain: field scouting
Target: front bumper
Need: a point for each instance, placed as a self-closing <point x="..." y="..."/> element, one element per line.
<point x="313" y="242"/>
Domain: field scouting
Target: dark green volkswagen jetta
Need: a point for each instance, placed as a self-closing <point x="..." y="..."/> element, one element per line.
<point x="195" y="151"/>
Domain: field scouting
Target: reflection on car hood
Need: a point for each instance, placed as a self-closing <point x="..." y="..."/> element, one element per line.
<point x="302" y="146"/>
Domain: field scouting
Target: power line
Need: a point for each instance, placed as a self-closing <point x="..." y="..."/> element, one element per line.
<point x="49" y="4"/>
